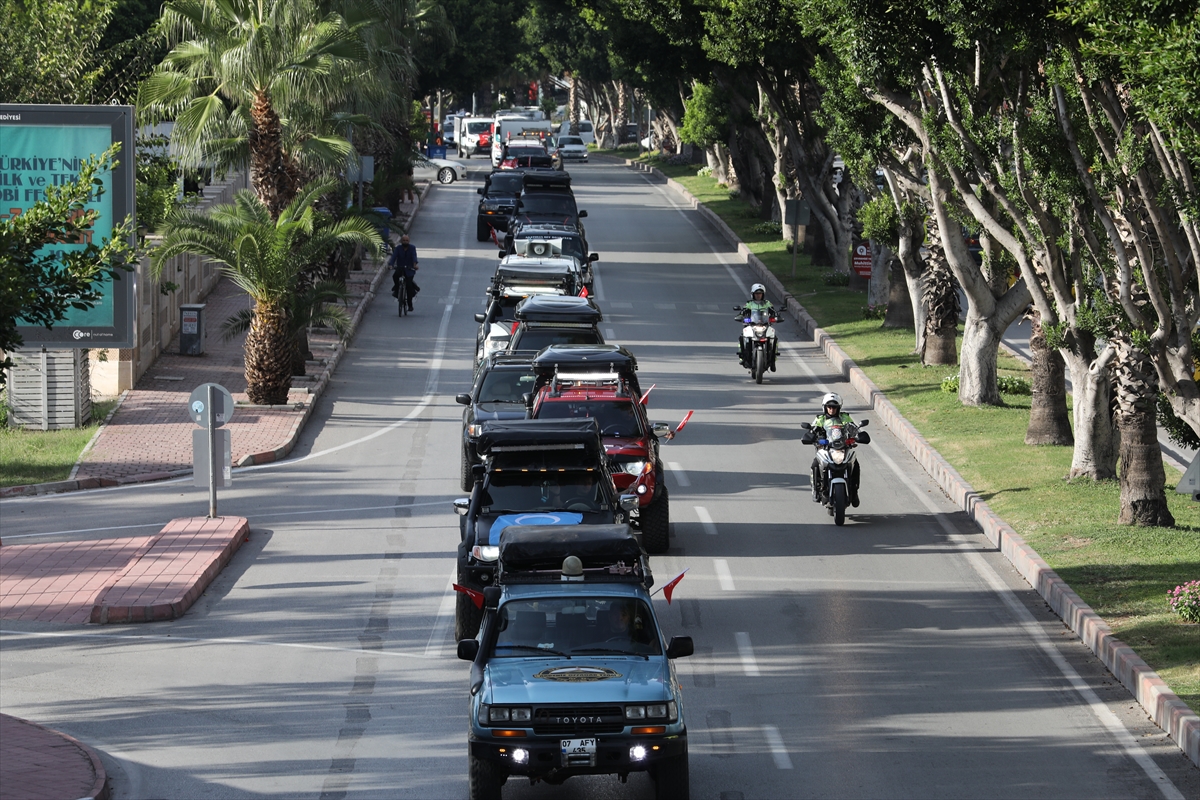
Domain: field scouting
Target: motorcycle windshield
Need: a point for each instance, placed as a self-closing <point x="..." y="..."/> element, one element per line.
<point x="759" y="316"/>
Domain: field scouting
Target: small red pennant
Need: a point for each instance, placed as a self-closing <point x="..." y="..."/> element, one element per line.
<point x="670" y="585"/>
<point x="477" y="597"/>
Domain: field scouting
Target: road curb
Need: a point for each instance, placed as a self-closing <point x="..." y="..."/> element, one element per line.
<point x="99" y="788"/>
<point x="1161" y="704"/>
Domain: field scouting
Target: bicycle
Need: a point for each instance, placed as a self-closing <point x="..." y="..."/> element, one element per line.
<point x="402" y="296"/>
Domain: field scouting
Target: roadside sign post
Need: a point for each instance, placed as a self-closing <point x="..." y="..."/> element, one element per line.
<point x="211" y="406"/>
<point x="796" y="213"/>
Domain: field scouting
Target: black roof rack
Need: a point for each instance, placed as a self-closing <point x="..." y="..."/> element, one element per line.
<point x="522" y="267"/>
<point x="557" y="308"/>
<point x="506" y="358"/>
<point x="585" y="358"/>
<point x="530" y="435"/>
<point x="535" y="553"/>
<point x="547" y="178"/>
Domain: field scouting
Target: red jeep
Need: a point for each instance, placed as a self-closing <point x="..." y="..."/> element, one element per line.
<point x="600" y="382"/>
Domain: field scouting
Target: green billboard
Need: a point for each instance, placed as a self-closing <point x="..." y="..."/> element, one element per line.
<point x="44" y="145"/>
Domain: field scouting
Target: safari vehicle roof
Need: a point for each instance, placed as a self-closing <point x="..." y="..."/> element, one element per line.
<point x="535" y="553"/>
<point x="556" y="308"/>
<point x="547" y="178"/>
<point x="523" y="436"/>
<point x="567" y="358"/>
<point x="517" y="266"/>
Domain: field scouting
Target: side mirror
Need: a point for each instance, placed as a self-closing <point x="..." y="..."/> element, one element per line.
<point x="737" y="308"/>
<point x="480" y="318"/>
<point x="660" y="428"/>
<point x="862" y="423"/>
<point x="629" y="502"/>
<point x="462" y="399"/>
<point x="527" y="398"/>
<point x="863" y="437"/>
<point x="593" y="257"/>
<point x="478" y="470"/>
<point x="479" y="191"/>
<point x="503" y="253"/>
<point x="678" y="647"/>
<point x="582" y="214"/>
<point x="468" y="649"/>
<point x="461" y="505"/>
<point x="491" y="597"/>
<point x="807" y="439"/>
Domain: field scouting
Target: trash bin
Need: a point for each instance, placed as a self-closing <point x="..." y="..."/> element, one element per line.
<point x="191" y="329"/>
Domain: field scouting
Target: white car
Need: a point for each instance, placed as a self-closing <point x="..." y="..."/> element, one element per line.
<point x="442" y="170"/>
<point x="572" y="148"/>
<point x="586" y="131"/>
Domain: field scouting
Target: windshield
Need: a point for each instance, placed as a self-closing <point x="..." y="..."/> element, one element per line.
<point x="614" y="418"/>
<point x="538" y="338"/>
<point x="585" y="127"/>
<point x="759" y="316"/>
<point x="558" y="205"/>
<point x="505" y="184"/>
<point x="478" y="127"/>
<point x="576" y="626"/>
<point x="575" y="490"/>
<point x="570" y="140"/>
<point x="505" y="386"/>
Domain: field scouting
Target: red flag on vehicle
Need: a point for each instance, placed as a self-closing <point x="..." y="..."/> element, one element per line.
<point x="685" y="421"/>
<point x="670" y="585"/>
<point x="584" y="293"/>
<point x="477" y="597"/>
<point x="647" y="394"/>
<point x="494" y="239"/>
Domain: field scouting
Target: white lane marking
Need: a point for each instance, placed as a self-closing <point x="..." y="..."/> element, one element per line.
<point x="597" y="286"/>
<point x="1024" y="619"/>
<point x="441" y="624"/>
<point x="256" y="516"/>
<point x="709" y="527"/>
<point x="680" y="475"/>
<point x="775" y="743"/>
<point x="200" y="640"/>
<point x="609" y="334"/>
<point x="724" y="576"/>
<point x="746" y="653"/>
<point x="431" y="385"/>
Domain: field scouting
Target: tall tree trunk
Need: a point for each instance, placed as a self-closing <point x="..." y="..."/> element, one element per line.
<point x="1143" y="480"/>
<point x="899" y="304"/>
<point x="1096" y="439"/>
<point x="940" y="298"/>
<point x="269" y="349"/>
<point x="573" y="106"/>
<point x="622" y="116"/>
<point x="879" y="290"/>
<point x="1048" y="419"/>
<point x="270" y="172"/>
<point x="718" y="162"/>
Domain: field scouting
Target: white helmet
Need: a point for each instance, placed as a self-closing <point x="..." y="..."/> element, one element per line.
<point x="758" y="287"/>
<point x="832" y="399"/>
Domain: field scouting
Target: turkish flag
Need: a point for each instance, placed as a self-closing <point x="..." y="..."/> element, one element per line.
<point x="584" y="293"/>
<point x="669" y="587"/>
<point x="477" y="597"/>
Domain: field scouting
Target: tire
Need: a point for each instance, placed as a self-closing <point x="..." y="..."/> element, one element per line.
<point x="402" y="297"/>
<point x="656" y="522"/>
<point x="467" y="618"/>
<point x="465" y="479"/>
<point x="446" y="175"/>
<point x="838" y="501"/>
<point x="671" y="779"/>
<point x="484" y="779"/>
<point x="760" y="364"/>
<point x="481" y="231"/>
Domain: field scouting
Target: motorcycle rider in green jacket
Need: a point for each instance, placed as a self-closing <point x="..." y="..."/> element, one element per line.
<point x="832" y="414"/>
<point x="758" y="302"/>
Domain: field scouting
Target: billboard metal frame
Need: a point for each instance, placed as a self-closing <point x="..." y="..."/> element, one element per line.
<point x="120" y="188"/>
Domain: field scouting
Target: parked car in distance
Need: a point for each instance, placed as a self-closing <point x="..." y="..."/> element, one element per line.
<point x="442" y="170"/>
<point x="572" y="148"/>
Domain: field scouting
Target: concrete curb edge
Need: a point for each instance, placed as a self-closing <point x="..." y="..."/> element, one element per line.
<point x="1161" y="704"/>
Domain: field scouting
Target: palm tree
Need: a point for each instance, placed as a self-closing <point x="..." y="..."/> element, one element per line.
<point x="265" y="257"/>
<point x="236" y="70"/>
<point x="307" y="308"/>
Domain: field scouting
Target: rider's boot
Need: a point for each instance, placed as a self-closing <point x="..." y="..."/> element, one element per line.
<point x="817" y="484"/>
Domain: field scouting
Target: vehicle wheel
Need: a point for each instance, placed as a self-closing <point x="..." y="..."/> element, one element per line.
<point x="671" y="779"/>
<point x="656" y="522"/>
<point x="467" y="618"/>
<point x="484" y="779"/>
<point x="445" y="175"/>
<point x="402" y="297"/>
<point x="465" y="479"/>
<point x="838" y="500"/>
<point x="481" y="231"/>
<point x="760" y="364"/>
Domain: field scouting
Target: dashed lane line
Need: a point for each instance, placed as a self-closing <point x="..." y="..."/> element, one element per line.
<point x="746" y="654"/>
<point x="707" y="521"/>
<point x="775" y="743"/>
<point x="724" y="576"/>
<point x="680" y="475"/>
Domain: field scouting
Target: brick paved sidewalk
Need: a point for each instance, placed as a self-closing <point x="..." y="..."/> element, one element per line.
<point x="37" y="763"/>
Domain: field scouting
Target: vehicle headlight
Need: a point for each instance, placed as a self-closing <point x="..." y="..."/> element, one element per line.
<point x="486" y="552"/>
<point x="838" y="456"/>
<point x="474" y="429"/>
<point x="657" y="711"/>
<point x="634" y="467"/>
<point x="635" y="712"/>
<point x="672" y="711"/>
<point x="505" y="714"/>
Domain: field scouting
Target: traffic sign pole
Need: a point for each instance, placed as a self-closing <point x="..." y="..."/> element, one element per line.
<point x="212" y="452"/>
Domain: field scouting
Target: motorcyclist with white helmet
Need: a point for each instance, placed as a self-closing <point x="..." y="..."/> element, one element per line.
<point x="832" y="414"/>
<point x="758" y="302"/>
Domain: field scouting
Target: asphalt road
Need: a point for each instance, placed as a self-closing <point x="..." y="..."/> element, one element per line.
<point x="897" y="656"/>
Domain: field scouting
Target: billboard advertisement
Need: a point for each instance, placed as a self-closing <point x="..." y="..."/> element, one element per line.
<point x="44" y="145"/>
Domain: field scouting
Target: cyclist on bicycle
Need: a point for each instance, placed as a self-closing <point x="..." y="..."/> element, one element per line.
<point x="403" y="262"/>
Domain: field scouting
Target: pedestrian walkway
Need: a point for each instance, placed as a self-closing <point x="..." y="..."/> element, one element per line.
<point x="37" y="763"/>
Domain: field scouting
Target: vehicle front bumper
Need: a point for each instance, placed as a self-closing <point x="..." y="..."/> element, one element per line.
<point x="611" y="757"/>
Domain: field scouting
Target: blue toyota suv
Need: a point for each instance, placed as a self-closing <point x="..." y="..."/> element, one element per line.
<point x="570" y="671"/>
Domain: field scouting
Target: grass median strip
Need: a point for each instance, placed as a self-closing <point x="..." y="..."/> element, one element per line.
<point x="1124" y="573"/>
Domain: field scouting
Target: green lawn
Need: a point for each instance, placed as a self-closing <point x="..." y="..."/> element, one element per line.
<point x="44" y="456"/>
<point x="1124" y="573"/>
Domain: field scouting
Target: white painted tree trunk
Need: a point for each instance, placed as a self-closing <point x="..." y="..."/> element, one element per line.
<point x="1096" y="439"/>
<point x="977" y="384"/>
<point x="881" y="262"/>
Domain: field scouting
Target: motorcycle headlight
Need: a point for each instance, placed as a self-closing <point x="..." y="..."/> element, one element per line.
<point x="634" y="467"/>
<point x="760" y="330"/>
<point x="838" y="456"/>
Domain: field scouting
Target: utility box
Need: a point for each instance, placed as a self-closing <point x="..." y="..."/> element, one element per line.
<point x="191" y="329"/>
<point x="49" y="389"/>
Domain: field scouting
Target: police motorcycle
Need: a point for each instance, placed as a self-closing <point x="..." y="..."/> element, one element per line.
<point x="758" y="346"/>
<point x="836" y="471"/>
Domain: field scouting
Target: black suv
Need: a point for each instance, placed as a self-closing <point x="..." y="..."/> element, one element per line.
<point x="565" y="239"/>
<point x="500" y="391"/>
<point x="534" y="472"/>
<point x="498" y="202"/>
<point x="544" y="320"/>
